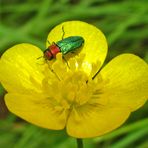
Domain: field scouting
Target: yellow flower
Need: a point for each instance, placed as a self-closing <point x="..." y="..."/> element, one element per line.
<point x="58" y="95"/>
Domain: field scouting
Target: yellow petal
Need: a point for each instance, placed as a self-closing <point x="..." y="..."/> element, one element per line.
<point x="20" y="71"/>
<point x="95" y="121"/>
<point x="37" y="110"/>
<point x="95" y="45"/>
<point x="127" y="81"/>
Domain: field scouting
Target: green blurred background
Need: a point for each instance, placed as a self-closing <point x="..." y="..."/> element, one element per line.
<point x="125" y="24"/>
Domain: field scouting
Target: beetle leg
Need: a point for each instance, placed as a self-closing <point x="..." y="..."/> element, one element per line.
<point x="66" y="62"/>
<point x="54" y="72"/>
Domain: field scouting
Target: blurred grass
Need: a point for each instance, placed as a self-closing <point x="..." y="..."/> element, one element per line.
<point x="125" y="24"/>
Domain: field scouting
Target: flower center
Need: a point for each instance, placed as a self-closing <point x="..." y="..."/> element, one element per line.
<point x="68" y="86"/>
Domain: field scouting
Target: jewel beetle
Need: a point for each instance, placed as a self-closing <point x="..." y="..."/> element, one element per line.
<point x="66" y="45"/>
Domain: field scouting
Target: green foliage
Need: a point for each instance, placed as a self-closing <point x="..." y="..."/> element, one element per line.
<point x="124" y="23"/>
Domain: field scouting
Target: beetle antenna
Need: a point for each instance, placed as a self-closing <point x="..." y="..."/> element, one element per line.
<point x="40" y="58"/>
<point x="63" y="32"/>
<point x="49" y="43"/>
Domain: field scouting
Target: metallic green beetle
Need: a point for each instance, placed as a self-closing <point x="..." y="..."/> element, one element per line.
<point x="64" y="46"/>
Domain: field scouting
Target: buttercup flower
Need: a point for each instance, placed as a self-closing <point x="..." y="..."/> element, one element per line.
<point x="57" y="94"/>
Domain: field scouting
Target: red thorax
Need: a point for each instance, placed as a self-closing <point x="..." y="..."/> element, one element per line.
<point x="51" y="52"/>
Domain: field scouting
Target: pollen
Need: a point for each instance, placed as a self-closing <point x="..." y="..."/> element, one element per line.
<point x="68" y="86"/>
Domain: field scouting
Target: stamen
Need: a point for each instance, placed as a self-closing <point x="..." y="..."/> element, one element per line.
<point x="72" y="87"/>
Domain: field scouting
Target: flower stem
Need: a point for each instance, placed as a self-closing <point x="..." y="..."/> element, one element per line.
<point x="79" y="143"/>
